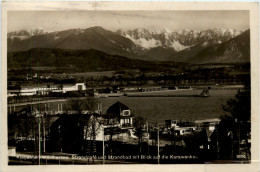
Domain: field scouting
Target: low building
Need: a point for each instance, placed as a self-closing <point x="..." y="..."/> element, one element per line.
<point x="73" y="87"/>
<point x="11" y="151"/>
<point x="209" y="124"/>
<point x="31" y="91"/>
<point x="178" y="127"/>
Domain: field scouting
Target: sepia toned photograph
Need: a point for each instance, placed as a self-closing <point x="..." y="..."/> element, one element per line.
<point x="95" y="87"/>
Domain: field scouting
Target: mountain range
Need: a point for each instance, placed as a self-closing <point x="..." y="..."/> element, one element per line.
<point x="177" y="40"/>
<point x="189" y="46"/>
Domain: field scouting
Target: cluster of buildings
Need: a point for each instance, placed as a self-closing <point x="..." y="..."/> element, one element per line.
<point x="69" y="130"/>
<point x="180" y="128"/>
<point x="84" y="133"/>
<point x="111" y="91"/>
<point x="118" y="125"/>
<point x="45" y="90"/>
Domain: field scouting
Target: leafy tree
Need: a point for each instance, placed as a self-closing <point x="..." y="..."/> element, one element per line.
<point x="235" y="125"/>
<point x="139" y="124"/>
<point x="81" y="104"/>
<point x="240" y="107"/>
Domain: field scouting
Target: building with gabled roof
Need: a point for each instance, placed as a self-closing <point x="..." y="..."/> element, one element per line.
<point x="121" y="114"/>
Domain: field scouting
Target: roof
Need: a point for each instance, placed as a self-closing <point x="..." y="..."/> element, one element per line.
<point x="117" y="108"/>
<point x="74" y="118"/>
<point x="209" y="133"/>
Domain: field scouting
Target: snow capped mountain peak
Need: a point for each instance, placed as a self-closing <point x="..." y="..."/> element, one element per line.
<point x="139" y="40"/>
<point x="26" y="33"/>
<point x="143" y="43"/>
<point x="178" y="41"/>
<point x="177" y="46"/>
<point x="167" y="30"/>
<point x="37" y="31"/>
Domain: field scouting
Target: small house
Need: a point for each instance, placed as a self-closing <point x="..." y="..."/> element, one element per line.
<point x="120" y="114"/>
<point x="170" y="123"/>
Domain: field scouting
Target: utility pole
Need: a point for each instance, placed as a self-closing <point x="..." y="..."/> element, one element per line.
<point x="238" y="134"/>
<point x="232" y="145"/>
<point x="217" y="143"/>
<point x="239" y="138"/>
<point x="34" y="133"/>
<point x="44" y="128"/>
<point x="39" y="130"/>
<point x="103" y="144"/>
<point x="60" y="135"/>
<point x="45" y="116"/>
<point x="158" y="148"/>
<point x="147" y="138"/>
<point x="44" y="136"/>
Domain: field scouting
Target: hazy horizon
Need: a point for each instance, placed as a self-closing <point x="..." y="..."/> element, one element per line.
<point x="114" y="20"/>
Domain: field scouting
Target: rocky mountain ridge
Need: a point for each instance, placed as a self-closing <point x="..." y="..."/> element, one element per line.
<point x="144" y="44"/>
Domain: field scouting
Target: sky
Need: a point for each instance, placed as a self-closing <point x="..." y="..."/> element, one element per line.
<point x="114" y="20"/>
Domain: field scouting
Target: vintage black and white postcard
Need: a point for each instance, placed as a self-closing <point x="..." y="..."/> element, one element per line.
<point x="130" y="86"/>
